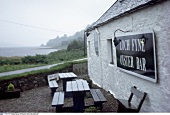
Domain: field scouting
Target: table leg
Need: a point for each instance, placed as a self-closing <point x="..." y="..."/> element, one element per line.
<point x="53" y="90"/>
<point x="59" y="109"/>
<point x="78" y="100"/>
<point x="65" y="86"/>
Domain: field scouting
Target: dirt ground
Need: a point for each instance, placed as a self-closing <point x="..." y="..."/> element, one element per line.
<point x="39" y="100"/>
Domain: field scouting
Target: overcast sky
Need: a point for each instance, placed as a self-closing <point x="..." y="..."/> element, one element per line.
<point x="33" y="22"/>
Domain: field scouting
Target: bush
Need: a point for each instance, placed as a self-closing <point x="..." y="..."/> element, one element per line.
<point x="75" y="45"/>
<point x="34" y="59"/>
<point x="91" y="109"/>
<point x="10" y="87"/>
<point x="64" y="55"/>
<point x="10" y="60"/>
<point x="15" y="63"/>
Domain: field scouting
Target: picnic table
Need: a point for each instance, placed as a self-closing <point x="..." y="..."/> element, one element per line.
<point x="78" y="87"/>
<point x="66" y="77"/>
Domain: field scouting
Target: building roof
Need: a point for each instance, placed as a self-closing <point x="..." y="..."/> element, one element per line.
<point x="120" y="8"/>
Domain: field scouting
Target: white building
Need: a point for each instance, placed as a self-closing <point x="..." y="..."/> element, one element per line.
<point x="137" y="17"/>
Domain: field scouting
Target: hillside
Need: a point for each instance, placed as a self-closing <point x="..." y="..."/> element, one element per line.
<point x="62" y="42"/>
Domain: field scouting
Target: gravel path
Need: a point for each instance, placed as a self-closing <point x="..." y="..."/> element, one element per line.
<point x="39" y="100"/>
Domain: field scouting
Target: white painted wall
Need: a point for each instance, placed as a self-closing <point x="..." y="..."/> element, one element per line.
<point x="155" y="17"/>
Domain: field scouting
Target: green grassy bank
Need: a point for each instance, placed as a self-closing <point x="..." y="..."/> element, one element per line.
<point x="51" y="70"/>
<point x="16" y="63"/>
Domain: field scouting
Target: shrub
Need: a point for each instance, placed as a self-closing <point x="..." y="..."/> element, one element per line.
<point x="34" y="59"/>
<point x="10" y="87"/>
<point x="91" y="109"/>
<point x="75" y="44"/>
<point x="10" y="60"/>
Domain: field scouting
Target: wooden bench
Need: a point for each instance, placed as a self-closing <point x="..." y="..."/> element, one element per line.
<point x="52" y="82"/>
<point x="126" y="105"/>
<point x="53" y="77"/>
<point x="58" y="101"/>
<point x="53" y="86"/>
<point x="98" y="98"/>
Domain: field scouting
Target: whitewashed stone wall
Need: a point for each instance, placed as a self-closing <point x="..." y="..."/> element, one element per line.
<point x="155" y="17"/>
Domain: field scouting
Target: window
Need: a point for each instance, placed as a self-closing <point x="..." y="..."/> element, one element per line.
<point x="96" y="42"/>
<point x="89" y="52"/>
<point x="110" y="51"/>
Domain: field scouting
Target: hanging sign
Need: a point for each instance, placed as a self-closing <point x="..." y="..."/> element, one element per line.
<point x="136" y="55"/>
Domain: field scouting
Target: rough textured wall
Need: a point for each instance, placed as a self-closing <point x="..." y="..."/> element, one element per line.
<point x="155" y="17"/>
<point x="26" y="83"/>
<point x="80" y="68"/>
<point x="31" y="81"/>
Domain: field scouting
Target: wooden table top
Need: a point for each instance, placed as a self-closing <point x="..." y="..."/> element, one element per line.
<point x="77" y="85"/>
<point x="67" y="75"/>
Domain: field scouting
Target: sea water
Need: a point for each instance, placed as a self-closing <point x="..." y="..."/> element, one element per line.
<point x="24" y="51"/>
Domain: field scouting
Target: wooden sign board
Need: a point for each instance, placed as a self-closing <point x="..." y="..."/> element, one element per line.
<point x="136" y="55"/>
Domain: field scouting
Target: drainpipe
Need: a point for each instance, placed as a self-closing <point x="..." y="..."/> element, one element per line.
<point x="99" y="43"/>
<point x="84" y="43"/>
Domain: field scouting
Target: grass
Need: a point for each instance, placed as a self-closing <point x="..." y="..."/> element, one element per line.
<point x="64" y="55"/>
<point x="6" y="68"/>
<point x="43" y="71"/>
<point x="16" y="63"/>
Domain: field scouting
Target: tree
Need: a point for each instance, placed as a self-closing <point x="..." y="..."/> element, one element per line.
<point x="75" y="45"/>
